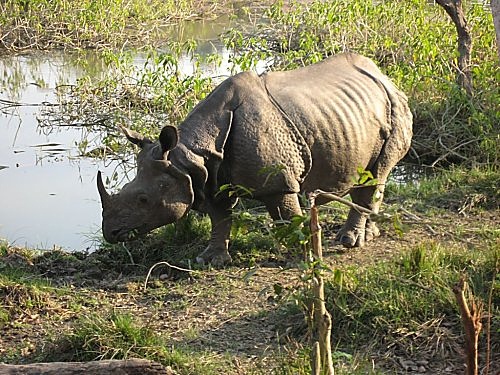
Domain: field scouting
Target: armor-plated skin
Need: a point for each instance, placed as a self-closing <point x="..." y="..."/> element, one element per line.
<point x="312" y="127"/>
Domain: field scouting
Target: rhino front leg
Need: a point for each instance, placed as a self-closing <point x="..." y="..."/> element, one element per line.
<point x="283" y="206"/>
<point x="217" y="251"/>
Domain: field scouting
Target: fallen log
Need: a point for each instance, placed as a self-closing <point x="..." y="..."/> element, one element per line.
<point x="107" y="367"/>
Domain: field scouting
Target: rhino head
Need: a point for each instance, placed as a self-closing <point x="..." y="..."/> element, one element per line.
<point x="159" y="194"/>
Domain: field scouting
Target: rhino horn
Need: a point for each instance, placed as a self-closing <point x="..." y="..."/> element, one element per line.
<point x="105" y="197"/>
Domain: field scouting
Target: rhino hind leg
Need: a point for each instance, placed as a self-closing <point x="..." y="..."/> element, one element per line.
<point x="358" y="228"/>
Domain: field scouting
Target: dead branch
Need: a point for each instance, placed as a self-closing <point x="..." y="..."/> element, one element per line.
<point x="336" y="198"/>
<point x="495" y="10"/>
<point x="316" y="359"/>
<point x="471" y="319"/>
<point x="457" y="14"/>
<point x="488" y="322"/>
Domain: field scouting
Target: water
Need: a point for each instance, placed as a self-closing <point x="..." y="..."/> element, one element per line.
<point x="48" y="195"/>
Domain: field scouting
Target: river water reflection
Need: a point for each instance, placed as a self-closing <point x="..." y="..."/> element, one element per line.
<point x="48" y="196"/>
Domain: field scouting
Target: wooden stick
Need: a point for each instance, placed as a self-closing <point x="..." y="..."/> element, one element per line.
<point x="322" y="318"/>
<point x="334" y="197"/>
<point x="471" y="319"/>
<point x="316" y="359"/>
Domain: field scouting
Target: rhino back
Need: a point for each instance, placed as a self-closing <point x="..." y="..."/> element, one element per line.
<point x="319" y="123"/>
<point x="342" y="108"/>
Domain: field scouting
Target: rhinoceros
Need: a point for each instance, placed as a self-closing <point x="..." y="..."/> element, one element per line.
<point x="312" y="127"/>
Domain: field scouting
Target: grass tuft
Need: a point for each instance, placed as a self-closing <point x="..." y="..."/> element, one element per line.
<point x="118" y="335"/>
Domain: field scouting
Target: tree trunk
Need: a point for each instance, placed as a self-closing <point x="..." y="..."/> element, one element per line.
<point x="456" y="12"/>
<point x="109" y="367"/>
<point x="495" y="10"/>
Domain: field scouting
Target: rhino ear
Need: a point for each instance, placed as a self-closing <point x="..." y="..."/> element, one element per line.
<point x="134" y="137"/>
<point x="168" y="138"/>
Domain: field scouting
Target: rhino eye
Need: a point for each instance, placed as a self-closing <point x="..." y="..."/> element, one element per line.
<point x="143" y="199"/>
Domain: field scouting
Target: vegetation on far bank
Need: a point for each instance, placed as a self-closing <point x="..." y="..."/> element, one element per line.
<point x="72" y="24"/>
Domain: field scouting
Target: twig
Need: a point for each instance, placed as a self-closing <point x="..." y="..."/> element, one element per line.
<point x="334" y="197"/>
<point x="488" y="322"/>
<point x="129" y="254"/>
<point x="168" y="265"/>
<point x="471" y="320"/>
<point x="452" y="151"/>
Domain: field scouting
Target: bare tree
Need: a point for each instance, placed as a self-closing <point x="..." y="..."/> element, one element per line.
<point x="495" y="10"/>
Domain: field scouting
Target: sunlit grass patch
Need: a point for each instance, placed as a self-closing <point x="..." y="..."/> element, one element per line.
<point x="404" y="307"/>
<point x="115" y="335"/>
<point x="458" y="189"/>
<point x="407" y="305"/>
<point x="22" y="295"/>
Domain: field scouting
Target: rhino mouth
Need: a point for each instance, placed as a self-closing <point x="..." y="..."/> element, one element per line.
<point x="122" y="235"/>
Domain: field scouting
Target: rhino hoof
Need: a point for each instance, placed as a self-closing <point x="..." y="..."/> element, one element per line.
<point x="372" y="231"/>
<point x="215" y="258"/>
<point x="351" y="238"/>
<point x="356" y="237"/>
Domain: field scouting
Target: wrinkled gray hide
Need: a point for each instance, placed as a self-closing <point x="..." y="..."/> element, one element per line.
<point x="316" y="125"/>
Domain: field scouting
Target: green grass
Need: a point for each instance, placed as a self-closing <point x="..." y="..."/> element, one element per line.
<point x="21" y="293"/>
<point x="118" y="335"/>
<point x="407" y="301"/>
<point x="455" y="189"/>
<point x="404" y="307"/>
